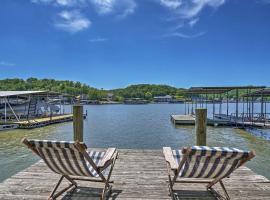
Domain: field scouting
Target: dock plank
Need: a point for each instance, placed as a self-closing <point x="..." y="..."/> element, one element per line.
<point x="138" y="174"/>
<point x="190" y="120"/>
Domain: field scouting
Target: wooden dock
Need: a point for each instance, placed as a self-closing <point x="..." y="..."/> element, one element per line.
<point x="240" y="122"/>
<point x="190" y="120"/>
<point x="138" y="174"/>
<point x="183" y="119"/>
<point x="45" y="121"/>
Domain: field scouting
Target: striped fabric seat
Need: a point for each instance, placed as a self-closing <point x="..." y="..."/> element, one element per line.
<point x="209" y="162"/>
<point x="63" y="158"/>
<point x="73" y="162"/>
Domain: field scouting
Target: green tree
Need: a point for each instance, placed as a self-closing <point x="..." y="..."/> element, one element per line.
<point x="148" y="96"/>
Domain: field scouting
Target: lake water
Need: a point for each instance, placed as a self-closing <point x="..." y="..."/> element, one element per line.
<point x="130" y="126"/>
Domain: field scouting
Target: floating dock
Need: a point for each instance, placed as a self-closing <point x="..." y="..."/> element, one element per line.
<point x="190" y="120"/>
<point x="40" y="122"/>
<point x="240" y="122"/>
<point x="220" y="120"/>
<point x="138" y="174"/>
<point x="183" y="119"/>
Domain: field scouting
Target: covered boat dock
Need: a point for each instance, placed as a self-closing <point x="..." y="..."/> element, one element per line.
<point x="31" y="109"/>
<point x="247" y="96"/>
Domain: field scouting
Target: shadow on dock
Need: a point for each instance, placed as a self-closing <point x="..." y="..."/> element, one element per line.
<point x="88" y="193"/>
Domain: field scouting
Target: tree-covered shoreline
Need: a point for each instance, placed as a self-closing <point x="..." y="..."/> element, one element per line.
<point x="143" y="91"/>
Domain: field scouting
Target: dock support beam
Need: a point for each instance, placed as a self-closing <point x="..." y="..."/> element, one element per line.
<point x="5" y="110"/>
<point x="78" y="122"/>
<point x="201" y="123"/>
<point x="237" y="99"/>
<point x="227" y="94"/>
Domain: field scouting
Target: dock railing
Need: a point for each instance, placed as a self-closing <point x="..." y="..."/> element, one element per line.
<point x="246" y="119"/>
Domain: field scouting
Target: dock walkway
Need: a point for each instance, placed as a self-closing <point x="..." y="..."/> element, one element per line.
<point x="44" y="121"/>
<point x="243" y="122"/>
<point x="190" y="120"/>
<point x="138" y="174"/>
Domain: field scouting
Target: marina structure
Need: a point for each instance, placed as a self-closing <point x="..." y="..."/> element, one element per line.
<point x="202" y="97"/>
<point x="31" y="109"/>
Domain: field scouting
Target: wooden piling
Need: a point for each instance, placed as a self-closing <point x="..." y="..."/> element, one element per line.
<point x="78" y="122"/>
<point x="201" y="123"/>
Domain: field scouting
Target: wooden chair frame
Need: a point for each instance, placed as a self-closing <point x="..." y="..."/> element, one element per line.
<point x="172" y="166"/>
<point x="108" y="160"/>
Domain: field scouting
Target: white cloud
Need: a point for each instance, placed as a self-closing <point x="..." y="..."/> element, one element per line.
<point x="172" y="4"/>
<point x="42" y="1"/>
<point x="61" y="3"/>
<point x="7" y="64"/>
<point x="98" y="39"/>
<point x="193" y="8"/>
<point x="190" y="8"/>
<point x="264" y="1"/>
<point x="183" y="35"/>
<point x="121" y="8"/>
<point x="186" y="13"/>
<point x="103" y="6"/>
<point x="65" y="2"/>
<point x="192" y="22"/>
<point x="72" y="21"/>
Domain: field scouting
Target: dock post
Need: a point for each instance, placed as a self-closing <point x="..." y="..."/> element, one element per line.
<point x="78" y="122"/>
<point x="201" y="123"/>
<point x="237" y="99"/>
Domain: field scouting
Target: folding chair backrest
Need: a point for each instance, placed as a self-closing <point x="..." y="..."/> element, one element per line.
<point x="212" y="162"/>
<point x="63" y="157"/>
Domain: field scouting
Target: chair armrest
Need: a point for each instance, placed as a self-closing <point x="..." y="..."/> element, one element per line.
<point x="107" y="157"/>
<point x="167" y="151"/>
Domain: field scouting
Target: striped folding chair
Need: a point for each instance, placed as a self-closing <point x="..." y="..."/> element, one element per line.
<point x="202" y="164"/>
<point x="73" y="162"/>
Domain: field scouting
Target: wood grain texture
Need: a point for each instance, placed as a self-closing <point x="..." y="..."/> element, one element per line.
<point x="167" y="151"/>
<point x="138" y="174"/>
<point x="201" y="123"/>
<point x="108" y="156"/>
<point x="78" y="122"/>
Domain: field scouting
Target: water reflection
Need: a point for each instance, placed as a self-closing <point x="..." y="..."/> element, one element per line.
<point x="263" y="133"/>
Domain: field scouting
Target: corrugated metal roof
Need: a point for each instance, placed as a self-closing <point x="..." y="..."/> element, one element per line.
<point x="260" y="93"/>
<point x="18" y="93"/>
<point x="218" y="90"/>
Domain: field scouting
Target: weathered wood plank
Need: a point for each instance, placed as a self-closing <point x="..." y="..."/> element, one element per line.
<point x="138" y="174"/>
<point x="200" y="126"/>
<point x="167" y="151"/>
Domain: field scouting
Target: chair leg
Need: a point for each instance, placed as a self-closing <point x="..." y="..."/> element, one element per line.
<point x="55" y="187"/>
<point x="171" y="192"/>
<point x="224" y="190"/>
<point x="107" y="188"/>
<point x="106" y="191"/>
<point x="170" y="186"/>
<point x="53" y="195"/>
<point x="209" y="187"/>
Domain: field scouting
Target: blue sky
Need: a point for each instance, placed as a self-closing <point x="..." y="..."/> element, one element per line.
<point x="115" y="43"/>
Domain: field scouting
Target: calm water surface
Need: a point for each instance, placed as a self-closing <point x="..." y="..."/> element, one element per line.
<point x="129" y="126"/>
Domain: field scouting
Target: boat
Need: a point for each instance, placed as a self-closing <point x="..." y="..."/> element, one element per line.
<point x="4" y="127"/>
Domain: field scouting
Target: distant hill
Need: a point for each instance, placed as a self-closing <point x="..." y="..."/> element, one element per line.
<point x="146" y="91"/>
<point x="67" y="87"/>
